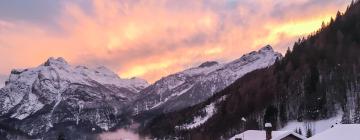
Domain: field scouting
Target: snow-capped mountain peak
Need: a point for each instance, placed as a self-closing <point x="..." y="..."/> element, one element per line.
<point x="55" y="61"/>
<point x="56" y="92"/>
<point x="59" y="68"/>
<point x="266" y="48"/>
<point x="196" y="84"/>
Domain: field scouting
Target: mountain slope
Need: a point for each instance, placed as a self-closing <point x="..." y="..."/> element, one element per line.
<point x="314" y="81"/>
<point x="34" y="100"/>
<point x="197" y="84"/>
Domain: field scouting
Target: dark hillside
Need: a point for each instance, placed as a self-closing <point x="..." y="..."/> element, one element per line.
<point x="316" y="79"/>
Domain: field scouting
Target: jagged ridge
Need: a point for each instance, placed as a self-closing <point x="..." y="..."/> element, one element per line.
<point x="35" y="99"/>
<point x="197" y="84"/>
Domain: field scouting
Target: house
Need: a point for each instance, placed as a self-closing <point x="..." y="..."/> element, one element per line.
<point x="268" y="134"/>
<point x="339" y="132"/>
<point x="261" y="135"/>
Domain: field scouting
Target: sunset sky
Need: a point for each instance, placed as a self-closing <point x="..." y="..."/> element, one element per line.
<point x="151" y="38"/>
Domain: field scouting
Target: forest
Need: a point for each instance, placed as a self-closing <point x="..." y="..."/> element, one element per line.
<point x="318" y="77"/>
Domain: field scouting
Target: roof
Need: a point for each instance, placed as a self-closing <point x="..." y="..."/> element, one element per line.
<point x="339" y="132"/>
<point x="268" y="125"/>
<point x="261" y="135"/>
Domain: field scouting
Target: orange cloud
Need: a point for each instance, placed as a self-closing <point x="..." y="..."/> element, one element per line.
<point x="153" y="38"/>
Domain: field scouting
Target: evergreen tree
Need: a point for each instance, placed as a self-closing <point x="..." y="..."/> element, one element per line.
<point x="300" y="132"/>
<point x="308" y="133"/>
<point x="270" y="115"/>
<point x="61" y="136"/>
<point x="346" y="117"/>
<point x="357" y="114"/>
<point x="288" y="52"/>
<point x="283" y="116"/>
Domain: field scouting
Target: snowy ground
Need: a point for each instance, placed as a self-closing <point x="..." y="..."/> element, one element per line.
<point x="199" y="120"/>
<point x="316" y="126"/>
<point x="340" y="132"/>
<point x="257" y="135"/>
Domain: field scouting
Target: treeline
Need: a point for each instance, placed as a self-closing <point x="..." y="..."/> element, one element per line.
<point x="318" y="77"/>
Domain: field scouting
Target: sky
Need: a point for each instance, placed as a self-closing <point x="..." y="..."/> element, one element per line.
<point x="151" y="38"/>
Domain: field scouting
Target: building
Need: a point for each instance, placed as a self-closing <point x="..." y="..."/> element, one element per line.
<point x="339" y="132"/>
<point x="268" y="134"/>
<point x="261" y="135"/>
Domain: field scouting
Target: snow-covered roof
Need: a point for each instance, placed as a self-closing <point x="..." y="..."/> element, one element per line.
<point x="261" y="135"/>
<point x="339" y="132"/>
<point x="268" y="125"/>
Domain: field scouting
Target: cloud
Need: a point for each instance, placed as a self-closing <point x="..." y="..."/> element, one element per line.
<point x="153" y="38"/>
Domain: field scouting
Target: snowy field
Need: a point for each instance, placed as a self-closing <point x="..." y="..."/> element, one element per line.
<point x="315" y="126"/>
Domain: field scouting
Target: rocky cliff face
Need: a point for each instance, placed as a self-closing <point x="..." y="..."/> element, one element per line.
<point x="194" y="85"/>
<point x="318" y="79"/>
<point x="35" y="100"/>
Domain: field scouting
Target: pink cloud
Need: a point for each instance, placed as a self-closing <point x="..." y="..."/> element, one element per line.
<point x="153" y="38"/>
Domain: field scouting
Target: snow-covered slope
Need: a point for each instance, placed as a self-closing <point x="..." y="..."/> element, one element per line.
<point x="339" y="132"/>
<point x="209" y="110"/>
<point x="56" y="92"/>
<point x="315" y="126"/>
<point x="197" y="84"/>
<point x="59" y="68"/>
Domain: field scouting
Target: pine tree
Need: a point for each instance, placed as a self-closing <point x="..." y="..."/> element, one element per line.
<point x="346" y="117"/>
<point x="288" y="52"/>
<point x="338" y="15"/>
<point x="357" y="114"/>
<point x="298" y="131"/>
<point x="308" y="133"/>
<point x="61" y="136"/>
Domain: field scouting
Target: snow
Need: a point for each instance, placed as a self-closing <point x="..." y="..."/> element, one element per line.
<point x="171" y="96"/>
<point x="202" y="70"/>
<point x="245" y="64"/>
<point x="54" y="77"/>
<point x="80" y="105"/>
<point x="339" y="132"/>
<point x="29" y="108"/>
<point x="183" y="91"/>
<point x="11" y="101"/>
<point x="268" y="125"/>
<point x="199" y="120"/>
<point x="316" y="126"/>
<point x="217" y="76"/>
<point x="173" y="83"/>
<point x="261" y="135"/>
<point x="252" y="61"/>
<point x="54" y="68"/>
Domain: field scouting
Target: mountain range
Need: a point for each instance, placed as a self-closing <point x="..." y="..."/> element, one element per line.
<point x="55" y="95"/>
<point x="35" y="100"/>
<point x="195" y="85"/>
<point x="316" y="80"/>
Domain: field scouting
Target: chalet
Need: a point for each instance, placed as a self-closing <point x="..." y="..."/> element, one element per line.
<point x="339" y="132"/>
<point x="268" y="134"/>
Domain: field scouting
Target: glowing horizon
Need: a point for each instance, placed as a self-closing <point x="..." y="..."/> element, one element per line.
<point x="152" y="38"/>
